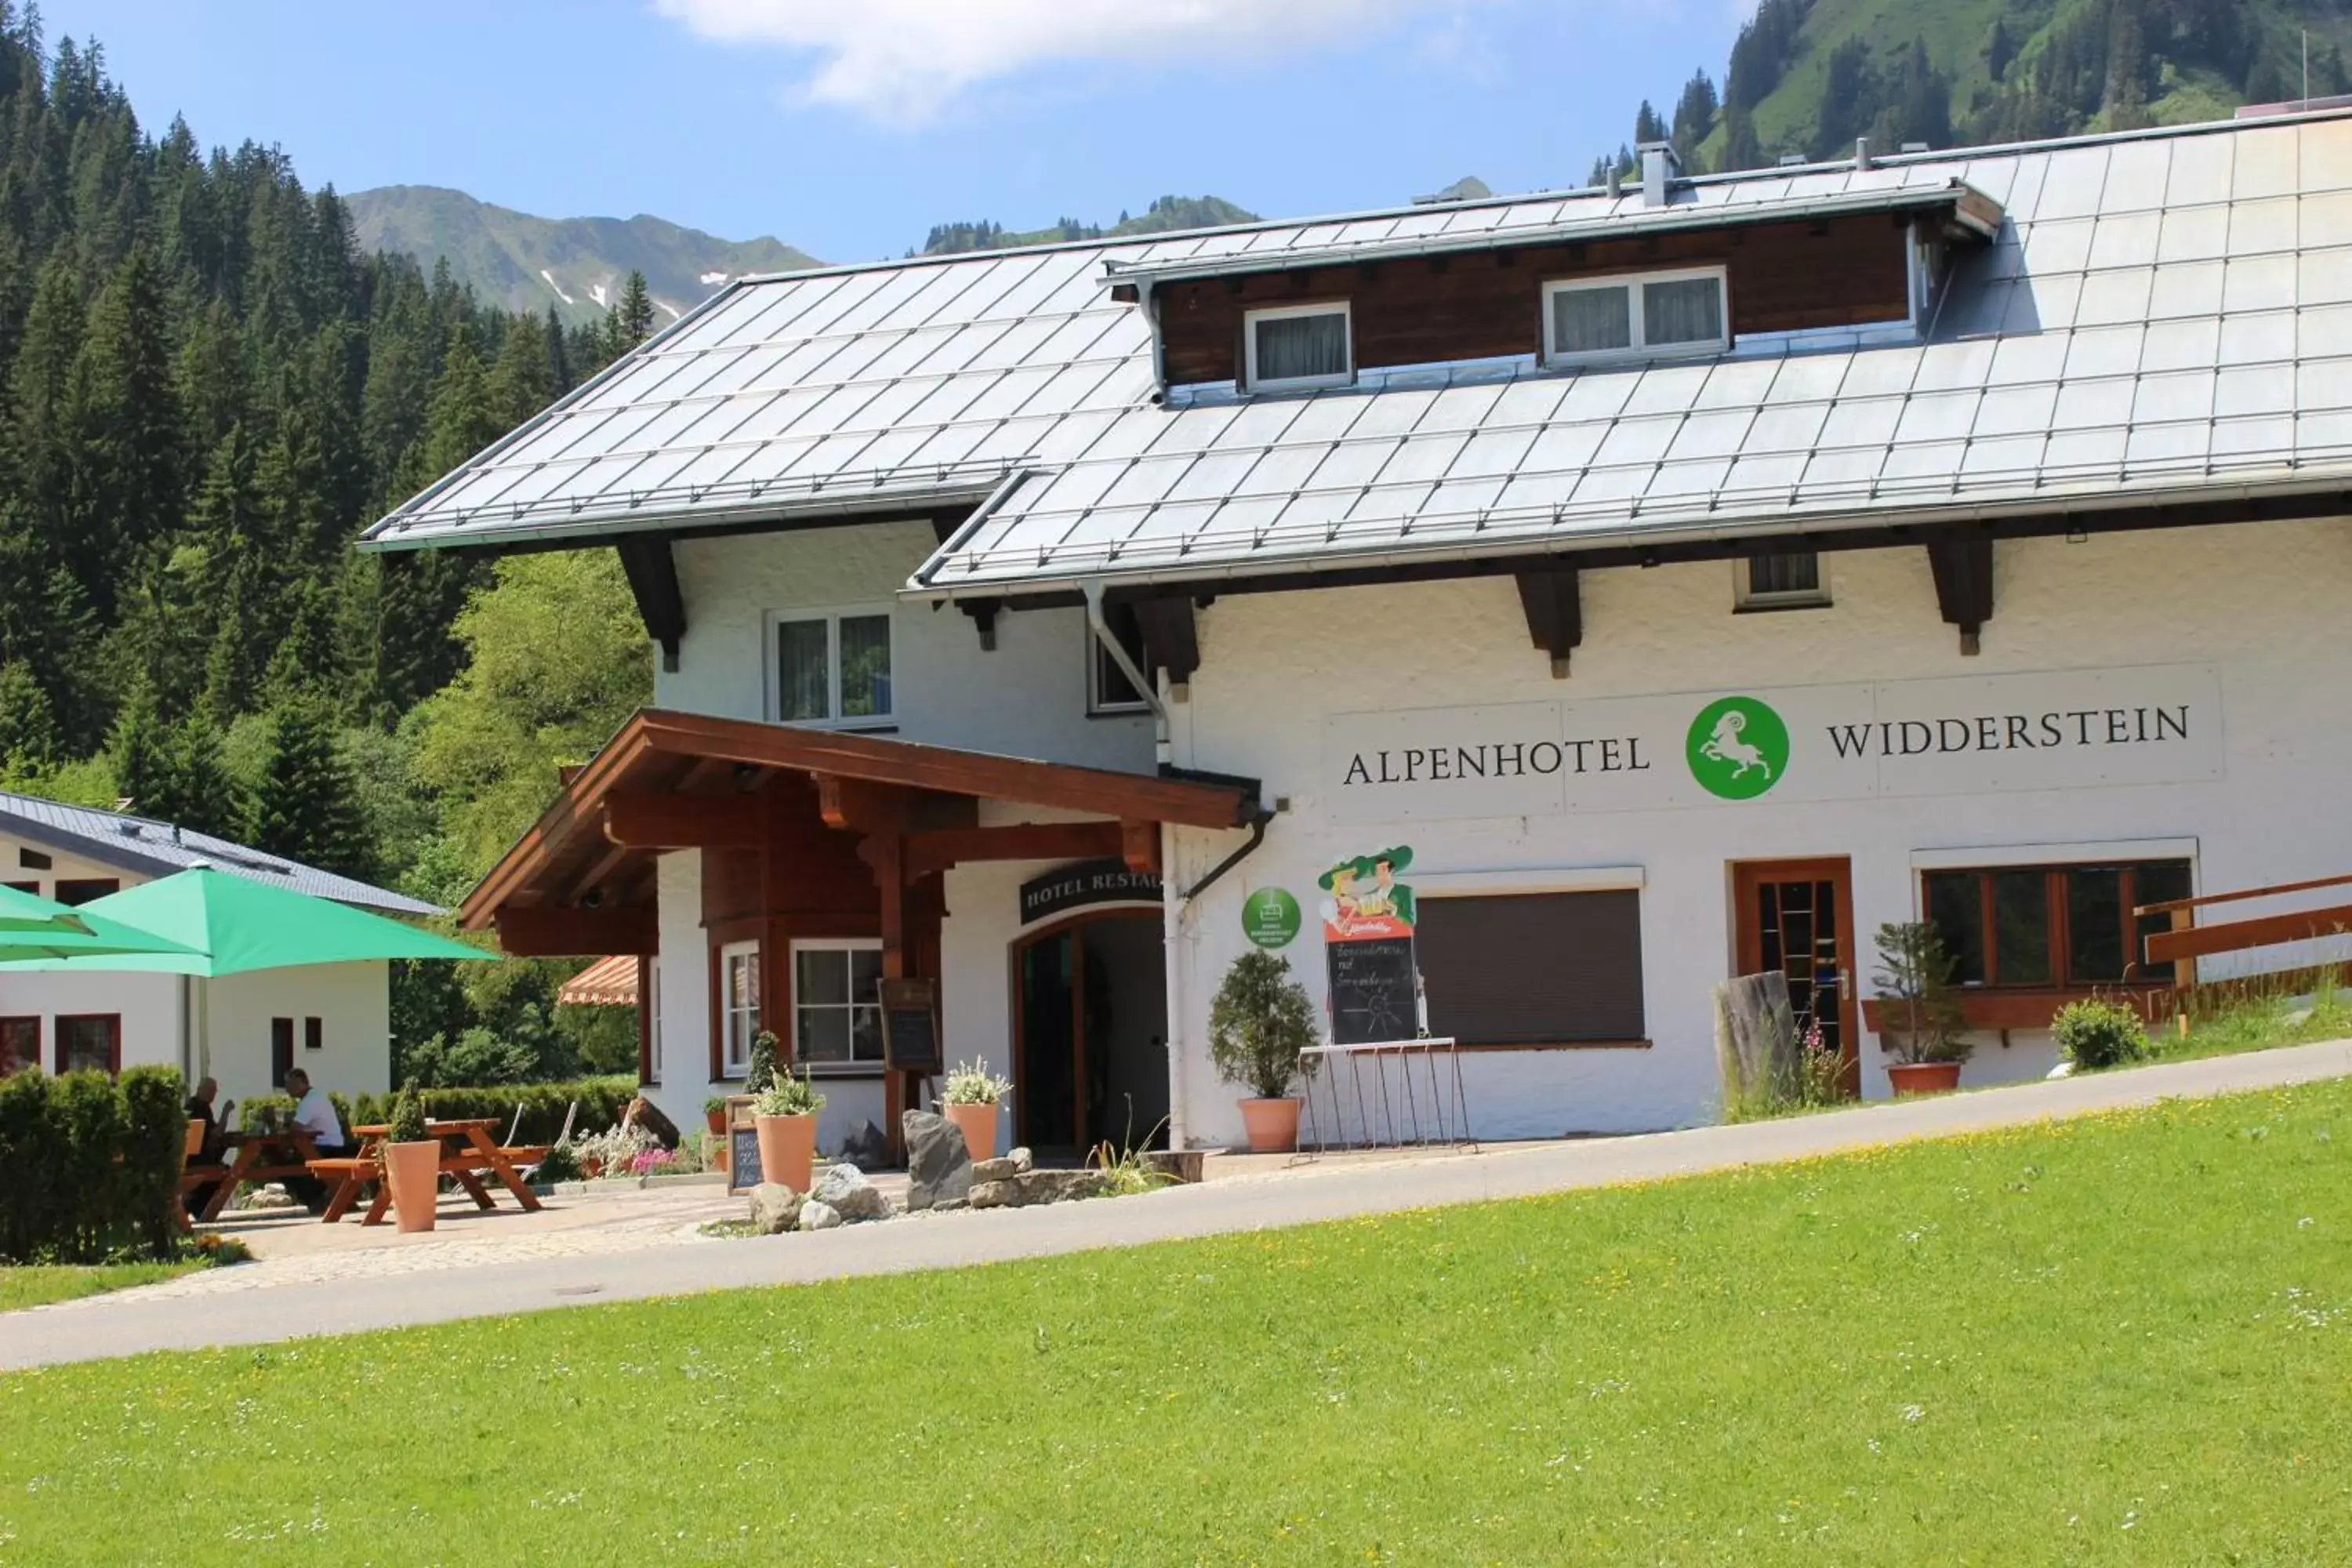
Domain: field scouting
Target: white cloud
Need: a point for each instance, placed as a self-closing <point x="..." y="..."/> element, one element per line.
<point x="905" y="60"/>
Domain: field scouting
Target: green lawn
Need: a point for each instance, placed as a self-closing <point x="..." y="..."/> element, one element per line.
<point x="2120" y="1341"/>
<point x="36" y="1285"/>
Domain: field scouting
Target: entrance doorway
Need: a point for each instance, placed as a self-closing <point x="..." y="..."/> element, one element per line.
<point x="1090" y="1034"/>
<point x="1796" y="916"/>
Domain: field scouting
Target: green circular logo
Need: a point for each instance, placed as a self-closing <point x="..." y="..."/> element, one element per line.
<point x="1270" y="917"/>
<point x="1737" y="748"/>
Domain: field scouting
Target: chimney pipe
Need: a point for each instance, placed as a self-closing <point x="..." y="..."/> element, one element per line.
<point x="1861" y="152"/>
<point x="1660" y="169"/>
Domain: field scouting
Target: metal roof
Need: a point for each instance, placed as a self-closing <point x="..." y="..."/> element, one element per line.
<point x="2162" y="314"/>
<point x="158" y="849"/>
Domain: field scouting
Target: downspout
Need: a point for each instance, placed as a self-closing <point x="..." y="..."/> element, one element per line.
<point x="1093" y="590"/>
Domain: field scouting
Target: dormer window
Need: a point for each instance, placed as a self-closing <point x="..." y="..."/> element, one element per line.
<point x="1635" y="316"/>
<point x="1292" y="348"/>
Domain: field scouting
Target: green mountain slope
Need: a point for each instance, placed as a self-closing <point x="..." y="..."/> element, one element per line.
<point x="577" y="265"/>
<point x="1809" y="76"/>
<point x="1165" y="214"/>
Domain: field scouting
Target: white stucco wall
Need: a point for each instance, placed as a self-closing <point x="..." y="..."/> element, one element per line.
<point x="1028" y="698"/>
<point x="2262" y="603"/>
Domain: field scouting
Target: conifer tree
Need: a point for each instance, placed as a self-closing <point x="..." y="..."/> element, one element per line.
<point x="202" y="798"/>
<point x="137" y="751"/>
<point x="521" y="383"/>
<point x="305" y="806"/>
<point x="631" y="321"/>
<point x="29" y="729"/>
<point x="123" y="420"/>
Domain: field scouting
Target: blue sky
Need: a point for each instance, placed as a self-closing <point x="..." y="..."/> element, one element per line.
<point x="848" y="127"/>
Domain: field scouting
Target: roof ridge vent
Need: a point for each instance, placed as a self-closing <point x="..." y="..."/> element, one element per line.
<point x="1662" y="166"/>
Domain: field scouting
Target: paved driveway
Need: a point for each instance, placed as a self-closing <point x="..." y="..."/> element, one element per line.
<point x="276" y="1301"/>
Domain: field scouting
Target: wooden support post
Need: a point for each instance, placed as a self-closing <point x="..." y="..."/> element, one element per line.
<point x="1555" y="611"/>
<point x="1963" y="571"/>
<point x="661" y="603"/>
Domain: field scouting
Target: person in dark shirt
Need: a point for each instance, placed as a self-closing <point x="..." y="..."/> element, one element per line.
<point x="215" y="1143"/>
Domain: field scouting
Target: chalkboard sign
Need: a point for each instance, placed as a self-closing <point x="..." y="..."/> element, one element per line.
<point x="910" y="1027"/>
<point x="1372" y="991"/>
<point x="743" y="1172"/>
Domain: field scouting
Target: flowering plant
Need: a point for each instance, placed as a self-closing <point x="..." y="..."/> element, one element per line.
<point x="651" y="1162"/>
<point x="970" y="1083"/>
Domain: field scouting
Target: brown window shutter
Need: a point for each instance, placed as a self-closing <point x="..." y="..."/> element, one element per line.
<point x="1533" y="968"/>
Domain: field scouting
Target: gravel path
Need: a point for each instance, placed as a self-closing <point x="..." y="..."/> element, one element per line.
<point x="650" y="1248"/>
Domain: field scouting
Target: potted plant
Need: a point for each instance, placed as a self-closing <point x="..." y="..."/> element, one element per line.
<point x="1258" y="1023"/>
<point x="714" y="1115"/>
<point x="785" y="1118"/>
<point x="1919" y="1009"/>
<point x="412" y="1162"/>
<point x="971" y="1101"/>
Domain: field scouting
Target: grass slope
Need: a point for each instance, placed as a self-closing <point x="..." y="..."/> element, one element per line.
<point x="37" y="1285"/>
<point x="2116" y="1340"/>
<point x="502" y="252"/>
<point x="1958" y="33"/>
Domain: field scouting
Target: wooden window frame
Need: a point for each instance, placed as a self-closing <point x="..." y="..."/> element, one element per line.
<point x="2061" y="938"/>
<point x="832" y="615"/>
<point x="281" y="1028"/>
<point x="314" y="1032"/>
<point x="1099" y="668"/>
<point x="58" y="1023"/>
<point x="33" y="1060"/>
<point x="1631" y="283"/>
<point x="34" y="859"/>
<point x="1746" y="595"/>
<point x="853" y="1067"/>
<point x="1252" y="382"/>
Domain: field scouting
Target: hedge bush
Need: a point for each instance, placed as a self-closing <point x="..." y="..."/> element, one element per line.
<point x="89" y="1165"/>
<point x="602" y="1101"/>
<point x="2096" y="1034"/>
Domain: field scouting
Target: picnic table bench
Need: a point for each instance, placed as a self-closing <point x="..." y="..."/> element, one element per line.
<point x="262" y="1157"/>
<point x="467" y="1154"/>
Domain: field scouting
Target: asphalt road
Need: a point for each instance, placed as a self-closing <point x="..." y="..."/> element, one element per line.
<point x="135" y="1322"/>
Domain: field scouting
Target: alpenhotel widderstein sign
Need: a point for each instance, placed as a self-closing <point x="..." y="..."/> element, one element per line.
<point x="2051" y="730"/>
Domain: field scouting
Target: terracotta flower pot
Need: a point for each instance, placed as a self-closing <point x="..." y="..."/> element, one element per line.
<point x="413" y="1173"/>
<point x="716" y="1121"/>
<point x="978" y="1123"/>
<point x="1923" y="1078"/>
<point x="787" y="1149"/>
<point x="1272" y="1124"/>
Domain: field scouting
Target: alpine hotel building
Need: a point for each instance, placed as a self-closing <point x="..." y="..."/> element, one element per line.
<point x="1626" y="588"/>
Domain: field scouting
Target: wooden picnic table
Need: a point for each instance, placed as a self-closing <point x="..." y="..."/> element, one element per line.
<point x="262" y="1157"/>
<point x="467" y="1154"/>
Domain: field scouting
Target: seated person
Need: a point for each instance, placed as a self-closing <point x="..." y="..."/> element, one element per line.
<point x="215" y="1143"/>
<point x="314" y="1113"/>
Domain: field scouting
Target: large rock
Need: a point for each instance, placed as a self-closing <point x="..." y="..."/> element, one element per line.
<point x="1031" y="1187"/>
<point x="818" y="1215"/>
<point x="845" y="1191"/>
<point x="938" y="1162"/>
<point x="998" y="1169"/>
<point x="994" y="1195"/>
<point x="869" y="1148"/>
<point x="774" y="1207"/>
<point x="1176" y="1165"/>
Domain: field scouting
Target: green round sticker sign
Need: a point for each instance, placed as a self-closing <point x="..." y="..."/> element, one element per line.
<point x="1737" y="748"/>
<point x="1270" y="917"/>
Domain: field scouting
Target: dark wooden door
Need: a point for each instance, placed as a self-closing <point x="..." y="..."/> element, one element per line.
<point x="1796" y="916"/>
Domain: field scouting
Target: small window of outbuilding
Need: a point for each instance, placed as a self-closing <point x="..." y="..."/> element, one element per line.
<point x="1290" y="348"/>
<point x="1782" y="581"/>
<point x="1645" y="315"/>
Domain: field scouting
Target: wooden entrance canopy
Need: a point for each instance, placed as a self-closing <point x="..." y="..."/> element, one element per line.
<point x="805" y="833"/>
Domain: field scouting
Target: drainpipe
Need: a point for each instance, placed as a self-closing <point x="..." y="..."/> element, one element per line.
<point x="1093" y="590"/>
<point x="1171" y="960"/>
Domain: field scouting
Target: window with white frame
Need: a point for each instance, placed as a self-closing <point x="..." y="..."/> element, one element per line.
<point x="1294" y="347"/>
<point x="830" y="667"/>
<point x="837" y="1002"/>
<point x="1783" y="580"/>
<point x="738" y="1006"/>
<point x="1108" y="691"/>
<point x="1639" y="315"/>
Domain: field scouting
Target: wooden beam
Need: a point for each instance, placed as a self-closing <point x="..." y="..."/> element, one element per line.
<point x="1963" y="569"/>
<point x="860" y="805"/>
<point x="1170" y="641"/>
<point x="1555" y="611"/>
<point x="598" y="869"/>
<point x="576" y="933"/>
<point x="1140" y="847"/>
<point x="652" y="572"/>
<point x="937" y="851"/>
<point x="2237" y="936"/>
<point x="984" y="618"/>
<point x="650" y="820"/>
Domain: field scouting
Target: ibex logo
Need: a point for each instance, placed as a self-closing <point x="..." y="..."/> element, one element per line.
<point x="1737" y="748"/>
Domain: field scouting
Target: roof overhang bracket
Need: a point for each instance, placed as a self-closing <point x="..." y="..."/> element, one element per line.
<point x="1555" y="611"/>
<point x="661" y="603"/>
<point x="1963" y="569"/>
<point x="1170" y="641"/>
<point x="983" y="613"/>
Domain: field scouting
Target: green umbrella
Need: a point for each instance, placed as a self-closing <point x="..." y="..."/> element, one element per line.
<point x="33" y="928"/>
<point x="218" y="925"/>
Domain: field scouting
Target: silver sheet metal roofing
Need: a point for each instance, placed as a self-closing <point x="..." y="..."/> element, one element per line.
<point x="2163" y="315"/>
<point x="158" y="848"/>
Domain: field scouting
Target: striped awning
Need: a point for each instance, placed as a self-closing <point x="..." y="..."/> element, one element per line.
<point x="607" y="982"/>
